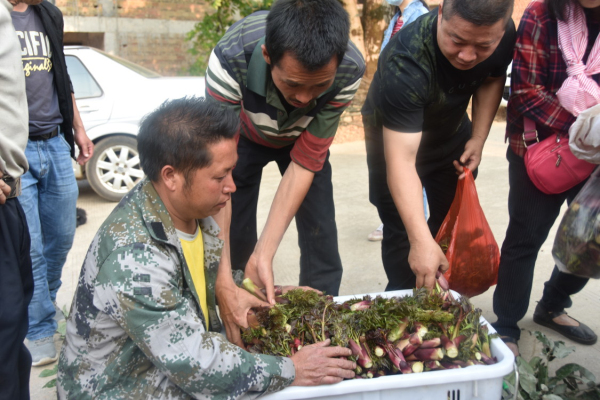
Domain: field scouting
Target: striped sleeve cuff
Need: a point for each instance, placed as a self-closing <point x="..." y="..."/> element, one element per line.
<point x="219" y="84"/>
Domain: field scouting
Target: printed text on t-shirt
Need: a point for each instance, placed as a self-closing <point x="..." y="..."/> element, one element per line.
<point x="35" y="51"/>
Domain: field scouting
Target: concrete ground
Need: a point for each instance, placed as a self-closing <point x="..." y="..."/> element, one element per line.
<point x="363" y="270"/>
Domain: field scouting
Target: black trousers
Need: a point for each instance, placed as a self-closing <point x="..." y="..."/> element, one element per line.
<point x="320" y="263"/>
<point x="439" y="180"/>
<point x="16" y="289"/>
<point x="532" y="214"/>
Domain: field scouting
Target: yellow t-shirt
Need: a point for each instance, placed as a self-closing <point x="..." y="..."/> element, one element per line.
<point x="193" y="251"/>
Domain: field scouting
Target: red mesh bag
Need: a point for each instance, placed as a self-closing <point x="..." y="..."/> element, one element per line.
<point x="468" y="242"/>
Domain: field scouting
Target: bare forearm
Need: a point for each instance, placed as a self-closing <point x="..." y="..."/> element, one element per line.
<point x="223" y="219"/>
<point x="485" y="104"/>
<point x="407" y="192"/>
<point x="77" y="122"/>
<point x="291" y="193"/>
<point x="405" y="184"/>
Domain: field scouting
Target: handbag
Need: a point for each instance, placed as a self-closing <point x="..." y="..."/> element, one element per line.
<point x="550" y="164"/>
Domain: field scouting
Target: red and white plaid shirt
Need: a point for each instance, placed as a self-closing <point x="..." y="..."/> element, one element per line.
<point x="538" y="72"/>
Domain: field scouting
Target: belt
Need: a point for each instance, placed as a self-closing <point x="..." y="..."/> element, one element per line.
<point x="15" y="186"/>
<point x="45" y="136"/>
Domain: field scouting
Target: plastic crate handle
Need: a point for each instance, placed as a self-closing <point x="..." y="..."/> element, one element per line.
<point x="516" y="395"/>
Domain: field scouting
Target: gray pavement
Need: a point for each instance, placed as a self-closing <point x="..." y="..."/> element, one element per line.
<point x="363" y="270"/>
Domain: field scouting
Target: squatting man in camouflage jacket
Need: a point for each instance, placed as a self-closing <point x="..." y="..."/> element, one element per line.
<point x="143" y="322"/>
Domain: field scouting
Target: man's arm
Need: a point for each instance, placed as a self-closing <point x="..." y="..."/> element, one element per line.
<point x="308" y="155"/>
<point x="485" y="104"/>
<point x="426" y="256"/>
<point x="4" y="190"/>
<point x="164" y="325"/>
<point x="86" y="146"/>
<point x="291" y="192"/>
<point x="234" y="302"/>
<point x="14" y="115"/>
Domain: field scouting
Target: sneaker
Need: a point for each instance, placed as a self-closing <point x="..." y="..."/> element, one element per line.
<point x="376" y="235"/>
<point x="59" y="316"/>
<point x="42" y="351"/>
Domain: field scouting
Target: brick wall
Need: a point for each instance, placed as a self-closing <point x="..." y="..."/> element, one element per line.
<point x="164" y="53"/>
<point x="147" y="32"/>
<point x="183" y="10"/>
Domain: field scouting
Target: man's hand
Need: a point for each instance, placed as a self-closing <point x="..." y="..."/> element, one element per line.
<point x="316" y="365"/>
<point x="234" y="305"/>
<point x="425" y="260"/>
<point x="86" y="146"/>
<point x="4" y="190"/>
<point x="261" y="273"/>
<point x="471" y="157"/>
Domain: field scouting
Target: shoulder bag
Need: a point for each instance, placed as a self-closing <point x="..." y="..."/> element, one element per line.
<point x="550" y="164"/>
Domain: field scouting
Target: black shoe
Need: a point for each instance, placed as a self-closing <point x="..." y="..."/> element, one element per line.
<point x="81" y="216"/>
<point x="580" y="334"/>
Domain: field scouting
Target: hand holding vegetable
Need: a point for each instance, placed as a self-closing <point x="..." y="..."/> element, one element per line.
<point x="251" y="288"/>
<point x="261" y="273"/>
<point x="426" y="259"/>
<point x="234" y="305"/>
<point x="429" y="330"/>
<point x="317" y="364"/>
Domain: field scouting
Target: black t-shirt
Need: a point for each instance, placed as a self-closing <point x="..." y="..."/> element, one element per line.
<point x="416" y="89"/>
<point x="42" y="97"/>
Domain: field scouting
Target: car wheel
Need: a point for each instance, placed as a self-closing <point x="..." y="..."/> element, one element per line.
<point x="114" y="169"/>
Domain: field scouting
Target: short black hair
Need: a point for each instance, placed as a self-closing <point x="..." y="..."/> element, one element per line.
<point x="313" y="31"/>
<point x="478" y="12"/>
<point x="179" y="132"/>
<point x="558" y="8"/>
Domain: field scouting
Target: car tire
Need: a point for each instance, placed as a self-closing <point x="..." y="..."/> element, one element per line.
<point x="115" y="168"/>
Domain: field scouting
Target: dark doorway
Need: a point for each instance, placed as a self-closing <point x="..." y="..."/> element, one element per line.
<point x="92" y="39"/>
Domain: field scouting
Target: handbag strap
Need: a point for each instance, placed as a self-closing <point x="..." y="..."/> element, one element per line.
<point x="529" y="132"/>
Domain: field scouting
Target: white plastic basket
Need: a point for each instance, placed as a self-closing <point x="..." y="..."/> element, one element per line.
<point x="474" y="382"/>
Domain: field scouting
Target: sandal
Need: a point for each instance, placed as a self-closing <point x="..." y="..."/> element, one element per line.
<point x="512" y="344"/>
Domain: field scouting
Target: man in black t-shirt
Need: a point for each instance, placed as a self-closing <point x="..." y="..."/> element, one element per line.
<point x="417" y="131"/>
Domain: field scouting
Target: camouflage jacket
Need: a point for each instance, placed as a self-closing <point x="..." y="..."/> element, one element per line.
<point x="136" y="330"/>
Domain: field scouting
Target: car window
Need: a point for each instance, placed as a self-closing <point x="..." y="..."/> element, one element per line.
<point x="84" y="84"/>
<point x="146" y="73"/>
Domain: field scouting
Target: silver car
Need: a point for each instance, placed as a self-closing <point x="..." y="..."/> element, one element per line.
<point x="113" y="95"/>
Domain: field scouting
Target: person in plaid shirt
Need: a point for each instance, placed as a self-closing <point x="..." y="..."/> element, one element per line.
<point x="538" y="73"/>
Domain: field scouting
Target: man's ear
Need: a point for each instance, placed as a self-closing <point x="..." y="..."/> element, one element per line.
<point x="170" y="177"/>
<point x="440" y="10"/>
<point x="265" y="54"/>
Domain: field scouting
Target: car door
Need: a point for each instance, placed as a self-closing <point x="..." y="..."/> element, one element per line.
<point x="93" y="104"/>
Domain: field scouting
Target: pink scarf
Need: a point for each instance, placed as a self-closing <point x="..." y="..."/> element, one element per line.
<point x="578" y="92"/>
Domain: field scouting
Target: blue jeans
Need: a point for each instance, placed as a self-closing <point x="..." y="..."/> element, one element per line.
<point x="49" y="199"/>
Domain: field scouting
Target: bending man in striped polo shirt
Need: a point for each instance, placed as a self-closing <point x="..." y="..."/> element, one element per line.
<point x="290" y="73"/>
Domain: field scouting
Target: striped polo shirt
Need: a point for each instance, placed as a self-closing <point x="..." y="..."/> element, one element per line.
<point x="238" y="75"/>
